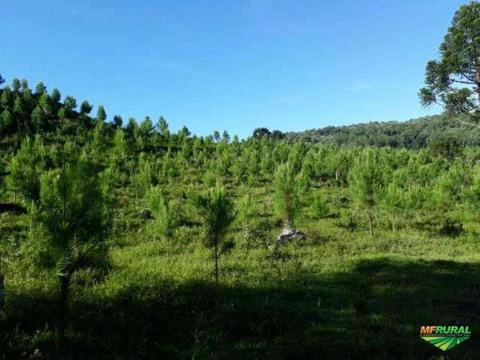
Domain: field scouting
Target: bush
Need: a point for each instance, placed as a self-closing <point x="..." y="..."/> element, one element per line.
<point x="319" y="206"/>
<point x="350" y="224"/>
<point x="451" y="227"/>
<point x="165" y="214"/>
<point x="259" y="236"/>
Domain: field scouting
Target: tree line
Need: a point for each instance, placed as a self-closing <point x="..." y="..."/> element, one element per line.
<point x="412" y="134"/>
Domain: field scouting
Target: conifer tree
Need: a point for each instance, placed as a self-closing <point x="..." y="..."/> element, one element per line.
<point x="144" y="177"/>
<point x="225" y="137"/>
<point x="366" y="181"/>
<point x="26" y="168"/>
<point x="85" y="108"/>
<point x="101" y="114"/>
<point x="117" y="121"/>
<point x="145" y="131"/>
<point x="473" y="193"/>
<point x="38" y="119"/>
<point x="5" y="97"/>
<point x="18" y="107"/>
<point x="319" y="205"/>
<point x="216" y="210"/>
<point x="454" y="80"/>
<point x="216" y="136"/>
<point x="16" y="85"/>
<point x="286" y="196"/>
<point x="164" y="130"/>
<point x="70" y="103"/>
<point x="72" y="215"/>
<point x="55" y="96"/>
<point x="24" y="85"/>
<point x="99" y="135"/>
<point x="120" y="149"/>
<point x="394" y="202"/>
<point x="164" y="218"/>
<point x="6" y="122"/>
<point x="246" y="213"/>
<point x="44" y="103"/>
<point x="40" y="89"/>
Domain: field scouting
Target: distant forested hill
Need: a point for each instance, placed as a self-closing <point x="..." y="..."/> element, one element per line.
<point x="412" y="134"/>
<point x="25" y="112"/>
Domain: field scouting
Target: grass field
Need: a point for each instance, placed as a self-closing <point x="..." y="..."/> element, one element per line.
<point x="338" y="294"/>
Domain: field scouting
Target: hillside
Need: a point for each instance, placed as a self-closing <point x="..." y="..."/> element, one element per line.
<point x="26" y="112"/>
<point x="412" y="134"/>
<point x="133" y="242"/>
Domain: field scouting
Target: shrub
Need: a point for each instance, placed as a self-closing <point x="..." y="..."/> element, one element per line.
<point x="319" y="206"/>
<point x="451" y="227"/>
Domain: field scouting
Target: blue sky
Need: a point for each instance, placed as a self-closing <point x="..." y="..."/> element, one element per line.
<point x="235" y="65"/>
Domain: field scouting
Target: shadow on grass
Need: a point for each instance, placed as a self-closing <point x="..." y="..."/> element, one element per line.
<point x="372" y="312"/>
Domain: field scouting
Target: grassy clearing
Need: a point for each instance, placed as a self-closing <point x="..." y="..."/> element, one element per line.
<point x="337" y="294"/>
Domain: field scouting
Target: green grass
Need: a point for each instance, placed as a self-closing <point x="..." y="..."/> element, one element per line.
<point x="339" y="294"/>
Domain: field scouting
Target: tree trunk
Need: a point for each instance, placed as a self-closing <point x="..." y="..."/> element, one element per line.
<point x="215" y="255"/>
<point x="246" y="231"/>
<point x="370" y="224"/>
<point x="288" y="214"/>
<point x="2" y="293"/>
<point x="64" y="282"/>
<point x="477" y="75"/>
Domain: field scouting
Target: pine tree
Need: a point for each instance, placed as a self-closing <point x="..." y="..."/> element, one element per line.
<point x="216" y="211"/>
<point x="145" y="131"/>
<point x="44" y="103"/>
<point x="286" y="197"/>
<point x="162" y="211"/>
<point x="225" y="137"/>
<point x="394" y="202"/>
<point x="99" y="135"/>
<point x="24" y="84"/>
<point x="117" y="121"/>
<point x="72" y="215"/>
<point x="120" y="149"/>
<point x="70" y="103"/>
<point x="366" y="181"/>
<point x="38" y="119"/>
<point x="26" y="168"/>
<point x="7" y="122"/>
<point x="454" y="80"/>
<point x="85" y="108"/>
<point x="164" y="130"/>
<point x="40" y="89"/>
<point x="5" y="98"/>
<point x="246" y="212"/>
<point x="473" y="193"/>
<point x="16" y="85"/>
<point x="18" y="107"/>
<point x="319" y="205"/>
<point x="216" y="136"/>
<point x="28" y="100"/>
<point x="101" y="114"/>
<point x="144" y="178"/>
<point x="55" y="96"/>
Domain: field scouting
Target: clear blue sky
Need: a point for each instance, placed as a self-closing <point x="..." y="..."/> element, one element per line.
<point x="235" y="65"/>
